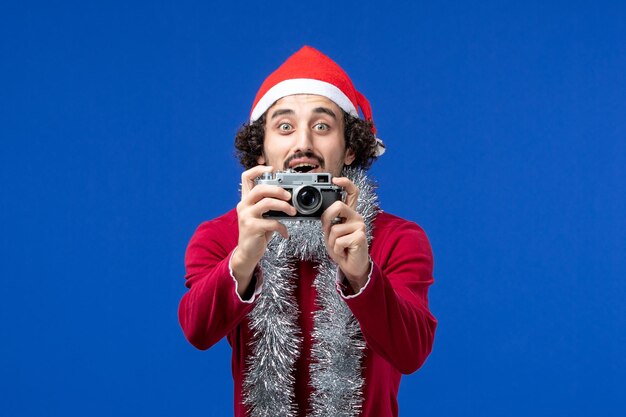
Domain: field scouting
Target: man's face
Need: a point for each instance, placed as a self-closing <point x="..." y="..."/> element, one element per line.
<point x="305" y="133"/>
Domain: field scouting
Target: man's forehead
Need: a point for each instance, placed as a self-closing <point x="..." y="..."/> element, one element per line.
<point x="311" y="101"/>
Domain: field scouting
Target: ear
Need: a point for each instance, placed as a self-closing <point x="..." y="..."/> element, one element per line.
<point x="261" y="160"/>
<point x="349" y="158"/>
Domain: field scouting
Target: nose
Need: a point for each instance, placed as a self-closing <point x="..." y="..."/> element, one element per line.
<point x="304" y="141"/>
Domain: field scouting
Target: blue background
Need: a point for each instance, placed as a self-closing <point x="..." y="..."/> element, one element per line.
<point x="505" y="125"/>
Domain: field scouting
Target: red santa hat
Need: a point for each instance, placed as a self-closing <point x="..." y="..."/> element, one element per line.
<point x="309" y="71"/>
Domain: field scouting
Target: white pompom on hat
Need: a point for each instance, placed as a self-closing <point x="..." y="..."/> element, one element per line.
<point x="309" y="71"/>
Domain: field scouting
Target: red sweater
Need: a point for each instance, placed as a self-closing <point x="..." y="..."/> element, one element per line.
<point x="392" y="309"/>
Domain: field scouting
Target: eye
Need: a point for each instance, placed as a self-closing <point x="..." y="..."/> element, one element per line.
<point x="321" y="127"/>
<point x="284" y="127"/>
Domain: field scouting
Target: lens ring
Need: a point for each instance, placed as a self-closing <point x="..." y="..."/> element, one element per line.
<point x="307" y="199"/>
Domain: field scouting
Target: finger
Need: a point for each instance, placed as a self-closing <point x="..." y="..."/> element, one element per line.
<point x="337" y="209"/>
<point x="248" y="177"/>
<point x="341" y="230"/>
<point x="268" y="204"/>
<point x="343" y="245"/>
<point x="352" y="191"/>
<point x="265" y="191"/>
<point x="329" y="214"/>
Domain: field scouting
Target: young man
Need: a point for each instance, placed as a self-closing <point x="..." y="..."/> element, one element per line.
<point x="323" y="316"/>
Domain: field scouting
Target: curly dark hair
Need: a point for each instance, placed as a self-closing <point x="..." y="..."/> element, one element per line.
<point x="357" y="133"/>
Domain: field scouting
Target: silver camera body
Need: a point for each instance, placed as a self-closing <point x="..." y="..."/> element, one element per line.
<point x="311" y="193"/>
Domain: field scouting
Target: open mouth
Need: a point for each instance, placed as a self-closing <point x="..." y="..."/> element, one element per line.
<point x="302" y="168"/>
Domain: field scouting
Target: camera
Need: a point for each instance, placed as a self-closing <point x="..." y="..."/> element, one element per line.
<point x="311" y="194"/>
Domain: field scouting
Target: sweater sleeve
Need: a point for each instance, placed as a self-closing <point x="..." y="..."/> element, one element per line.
<point x="392" y="309"/>
<point x="212" y="307"/>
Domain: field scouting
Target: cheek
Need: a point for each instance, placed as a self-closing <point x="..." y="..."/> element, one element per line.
<point x="274" y="144"/>
<point x="274" y="153"/>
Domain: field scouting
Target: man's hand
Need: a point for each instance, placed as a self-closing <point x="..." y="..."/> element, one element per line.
<point x="255" y="231"/>
<point x="346" y="242"/>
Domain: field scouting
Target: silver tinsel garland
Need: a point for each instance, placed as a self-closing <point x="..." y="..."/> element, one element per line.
<point x="337" y="340"/>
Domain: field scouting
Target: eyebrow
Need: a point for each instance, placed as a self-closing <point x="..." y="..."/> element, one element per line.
<point x="325" y="110"/>
<point x="280" y="112"/>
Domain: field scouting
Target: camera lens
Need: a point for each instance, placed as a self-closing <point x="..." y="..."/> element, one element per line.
<point x="307" y="200"/>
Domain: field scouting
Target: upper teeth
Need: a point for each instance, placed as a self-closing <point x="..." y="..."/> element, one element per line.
<point x="303" y="165"/>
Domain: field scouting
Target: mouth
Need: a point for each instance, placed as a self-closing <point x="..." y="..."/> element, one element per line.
<point x="304" y="163"/>
<point x="303" y="168"/>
